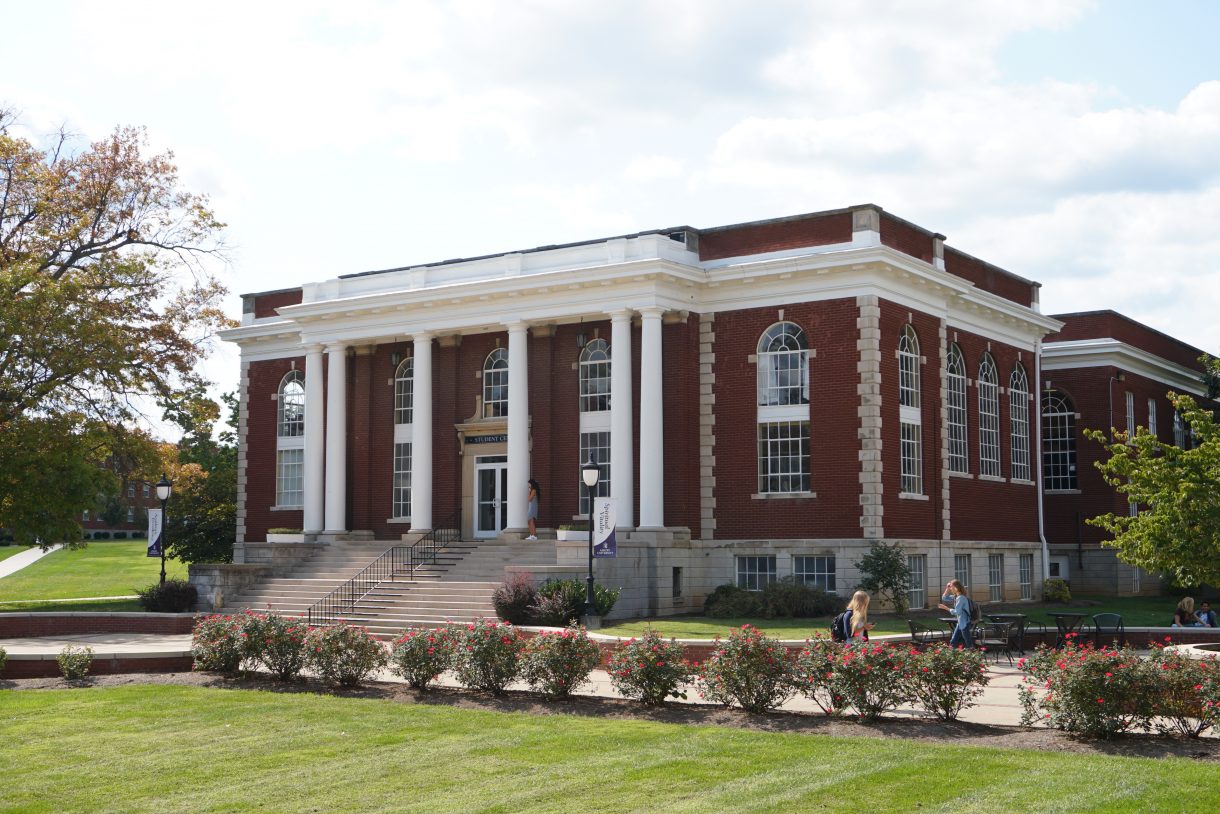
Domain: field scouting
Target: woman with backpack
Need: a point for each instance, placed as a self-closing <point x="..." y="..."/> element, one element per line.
<point x="855" y="620"/>
<point x="955" y="592"/>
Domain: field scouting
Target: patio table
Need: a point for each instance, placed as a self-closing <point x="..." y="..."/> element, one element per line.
<point x="1067" y="623"/>
<point x="1017" y="629"/>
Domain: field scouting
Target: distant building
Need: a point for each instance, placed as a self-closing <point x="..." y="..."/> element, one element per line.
<point x="1103" y="370"/>
<point x="134" y="499"/>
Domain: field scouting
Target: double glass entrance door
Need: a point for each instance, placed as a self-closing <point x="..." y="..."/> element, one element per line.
<point x="490" y="495"/>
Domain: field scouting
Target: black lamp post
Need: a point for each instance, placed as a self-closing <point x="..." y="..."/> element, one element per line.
<point x="590" y="473"/>
<point x="164" y="490"/>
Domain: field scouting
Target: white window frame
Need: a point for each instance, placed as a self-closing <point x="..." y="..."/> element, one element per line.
<point x="1018" y="420"/>
<point x="755" y="572"/>
<point x="1181" y="434"/>
<point x="1058" y="442"/>
<point x="995" y="577"/>
<point x="289" y="442"/>
<point x="909" y="414"/>
<point x="1130" y="415"/>
<point x="595" y="444"/>
<point x="595" y="367"/>
<point x="1152" y="417"/>
<point x="959" y="444"/>
<point x="400" y="486"/>
<point x="917" y="585"/>
<point x="404" y="392"/>
<point x="816" y="571"/>
<point x="783" y="353"/>
<point x="961" y="569"/>
<point x="989" y="418"/>
<point x="131" y="514"/>
<point x="147" y="490"/>
<point x="783" y="457"/>
<point x="911" y="449"/>
<point x="1025" y="564"/>
<point x="495" y="384"/>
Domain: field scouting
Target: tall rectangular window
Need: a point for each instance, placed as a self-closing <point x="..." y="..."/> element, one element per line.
<point x="1018" y="415"/>
<point x="816" y="572"/>
<point x="401" y="498"/>
<point x="995" y="577"/>
<point x="131" y="514"/>
<point x="595" y="446"/>
<point x="912" y="459"/>
<point x="1027" y="576"/>
<point x="755" y="573"/>
<point x="959" y="460"/>
<point x="1130" y="414"/>
<point x="1152" y="417"/>
<point x="783" y="456"/>
<point x="961" y="568"/>
<point x="989" y="419"/>
<point x="290" y="478"/>
<point x="917" y="587"/>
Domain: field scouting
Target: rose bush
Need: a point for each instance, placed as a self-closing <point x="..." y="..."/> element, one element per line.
<point x="1096" y="692"/>
<point x="75" y="661"/>
<point x="556" y="664"/>
<point x="421" y="655"/>
<point x="946" y="680"/>
<point x="277" y="642"/>
<point x="343" y="654"/>
<point x="218" y="643"/>
<point x="750" y="669"/>
<point x="487" y="655"/>
<point x="1181" y="702"/>
<point x="873" y="678"/>
<point x="814" y="671"/>
<point x="649" y="669"/>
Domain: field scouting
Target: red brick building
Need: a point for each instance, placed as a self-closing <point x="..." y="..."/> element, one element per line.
<point x="764" y="399"/>
<point x="1101" y="371"/>
<point x="134" y="499"/>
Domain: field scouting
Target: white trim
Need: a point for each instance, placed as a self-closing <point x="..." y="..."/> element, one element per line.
<point x="1113" y="353"/>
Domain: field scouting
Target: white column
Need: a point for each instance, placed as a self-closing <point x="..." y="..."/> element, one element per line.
<point x="622" y="460"/>
<point x="518" y="425"/>
<point x="421" y="438"/>
<point x="315" y="440"/>
<point x="336" y="439"/>
<point x="652" y="457"/>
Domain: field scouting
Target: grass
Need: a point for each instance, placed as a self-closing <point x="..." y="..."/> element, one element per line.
<point x="168" y="749"/>
<point x="98" y="569"/>
<point x="95" y="605"/>
<point x="1138" y="611"/>
<point x="7" y="551"/>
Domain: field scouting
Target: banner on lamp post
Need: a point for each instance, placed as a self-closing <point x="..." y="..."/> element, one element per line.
<point x="603" y="528"/>
<point x="154" y="532"/>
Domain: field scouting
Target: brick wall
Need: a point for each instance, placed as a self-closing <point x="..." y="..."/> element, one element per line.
<point x="265" y="378"/>
<point x="1112" y="325"/>
<point x="265" y="304"/>
<point x="988" y="277"/>
<point x="773" y="236"/>
<point x="903" y="237"/>
<point x="47" y="625"/>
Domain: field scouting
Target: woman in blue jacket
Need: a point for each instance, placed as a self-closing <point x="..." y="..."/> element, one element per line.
<point x="955" y="592"/>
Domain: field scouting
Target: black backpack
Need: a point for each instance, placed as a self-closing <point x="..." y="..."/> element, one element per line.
<point x="838" y="627"/>
<point x="976" y="613"/>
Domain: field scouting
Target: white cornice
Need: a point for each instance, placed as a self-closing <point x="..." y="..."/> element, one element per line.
<point x="1113" y="353"/>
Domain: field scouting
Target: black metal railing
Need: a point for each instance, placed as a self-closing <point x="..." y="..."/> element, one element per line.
<point x="397" y="562"/>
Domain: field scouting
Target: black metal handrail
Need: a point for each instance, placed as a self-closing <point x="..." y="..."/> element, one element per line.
<point x="395" y="562"/>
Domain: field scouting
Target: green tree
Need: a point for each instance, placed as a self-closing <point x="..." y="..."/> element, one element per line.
<point x="886" y="574"/>
<point x="105" y="305"/>
<point x="1177" y="530"/>
<point x="202" y="525"/>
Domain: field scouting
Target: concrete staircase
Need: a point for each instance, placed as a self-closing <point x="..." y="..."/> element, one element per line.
<point x="457" y="589"/>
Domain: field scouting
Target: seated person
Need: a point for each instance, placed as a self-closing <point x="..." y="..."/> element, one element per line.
<point x="1205" y="615"/>
<point x="1184" y="616"/>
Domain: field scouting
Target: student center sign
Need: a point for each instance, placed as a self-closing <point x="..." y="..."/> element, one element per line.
<point x="763" y="400"/>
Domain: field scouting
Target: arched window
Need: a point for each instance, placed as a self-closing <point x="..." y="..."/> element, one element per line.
<point x="595" y="416"/>
<point x="783" y="411"/>
<point x="989" y="418"/>
<point x="291" y="411"/>
<point x="595" y="377"/>
<point x="404" y="392"/>
<point x="1018" y="417"/>
<point x="290" y="441"/>
<point x="495" y="384"/>
<point x="910" y="422"/>
<point x="955" y="375"/>
<point x="783" y="366"/>
<point x="1058" y="442"/>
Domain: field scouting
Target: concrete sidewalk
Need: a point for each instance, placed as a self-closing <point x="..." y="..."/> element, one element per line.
<point x="999" y="703"/>
<point x="18" y="561"/>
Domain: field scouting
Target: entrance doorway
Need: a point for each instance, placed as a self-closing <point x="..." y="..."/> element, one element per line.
<point x="490" y="495"/>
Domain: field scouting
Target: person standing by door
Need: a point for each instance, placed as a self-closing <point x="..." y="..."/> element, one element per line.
<point x="531" y="513"/>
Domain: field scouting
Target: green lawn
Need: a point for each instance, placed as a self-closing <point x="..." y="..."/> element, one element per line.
<point x="7" y="551"/>
<point x="1136" y="612"/>
<point x="170" y="749"/>
<point x="95" y="605"/>
<point x="98" y="569"/>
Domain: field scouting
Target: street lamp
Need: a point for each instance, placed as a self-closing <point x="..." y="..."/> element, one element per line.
<point x="590" y="473"/>
<point x="164" y="490"/>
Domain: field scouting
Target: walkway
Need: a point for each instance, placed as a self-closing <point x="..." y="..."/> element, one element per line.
<point x="999" y="704"/>
<point x="19" y="561"/>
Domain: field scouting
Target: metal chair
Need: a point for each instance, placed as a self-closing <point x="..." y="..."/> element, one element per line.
<point x="1068" y="625"/>
<point x="995" y="638"/>
<point x="1108" y="629"/>
<point x="925" y="635"/>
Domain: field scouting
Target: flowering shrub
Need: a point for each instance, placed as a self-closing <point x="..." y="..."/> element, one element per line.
<point x="218" y="643"/>
<point x="1092" y="692"/>
<point x="171" y="596"/>
<point x="343" y="654"/>
<point x="872" y="678"/>
<point x="514" y="599"/>
<point x="1184" y="701"/>
<point x="751" y="669"/>
<point x="487" y="655"/>
<point x="75" y="661"/>
<point x="558" y="663"/>
<point x="420" y="655"/>
<point x="813" y="674"/>
<point x="276" y="641"/>
<point x="649" y="669"/>
<point x="946" y="680"/>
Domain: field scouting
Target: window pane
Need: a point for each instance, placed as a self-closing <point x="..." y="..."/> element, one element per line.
<point x="783" y="366"/>
<point x="595" y="445"/>
<point x="495" y="384"/>
<point x="753" y="573"/>
<point x="1027" y="576"/>
<point x="917" y="593"/>
<point x="912" y="459"/>
<point x="995" y="577"/>
<point x="1058" y="442"/>
<point x="404" y="393"/>
<point x="595" y="377"/>
<point x="291" y="408"/>
<point x="961" y="569"/>
<point x="402" y="481"/>
<point x="816" y="572"/>
<point x="908" y="368"/>
<point x="290" y="477"/>
<point x="958" y="457"/>
<point x="1018" y="409"/>
<point x="783" y="456"/>
<point x="989" y="419"/>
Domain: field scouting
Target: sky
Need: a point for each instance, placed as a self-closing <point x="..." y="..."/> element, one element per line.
<point x="1075" y="143"/>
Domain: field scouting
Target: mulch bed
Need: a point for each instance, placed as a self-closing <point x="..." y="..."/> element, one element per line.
<point x="916" y="729"/>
